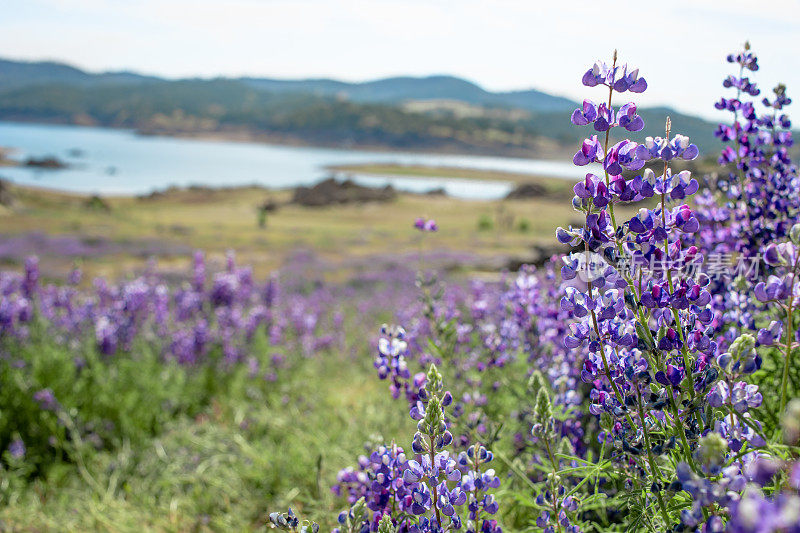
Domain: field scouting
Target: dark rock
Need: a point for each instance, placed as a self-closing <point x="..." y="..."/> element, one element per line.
<point x="527" y="190"/>
<point x="332" y="192"/>
<point x="154" y="195"/>
<point x="539" y="256"/>
<point x="439" y="191"/>
<point x="268" y="206"/>
<point x="49" y="162"/>
<point x="179" y="229"/>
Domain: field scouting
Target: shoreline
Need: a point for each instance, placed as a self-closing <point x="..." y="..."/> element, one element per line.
<point x="265" y="138"/>
<point x="439" y="172"/>
<point x="244" y="136"/>
<point x="551" y="185"/>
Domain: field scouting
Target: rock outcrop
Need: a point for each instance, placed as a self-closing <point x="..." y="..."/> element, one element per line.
<point x="333" y="192"/>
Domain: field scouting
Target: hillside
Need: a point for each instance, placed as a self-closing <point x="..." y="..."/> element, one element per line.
<point x="17" y="74"/>
<point x="400" y="89"/>
<point x="435" y="113"/>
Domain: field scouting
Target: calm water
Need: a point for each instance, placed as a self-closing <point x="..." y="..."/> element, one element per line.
<point x="121" y="162"/>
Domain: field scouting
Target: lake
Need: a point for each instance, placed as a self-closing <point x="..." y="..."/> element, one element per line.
<point x="120" y="162"/>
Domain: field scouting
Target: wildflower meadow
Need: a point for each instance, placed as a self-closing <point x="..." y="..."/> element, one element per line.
<point x="646" y="378"/>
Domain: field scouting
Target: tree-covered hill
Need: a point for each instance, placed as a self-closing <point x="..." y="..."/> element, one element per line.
<point x="327" y="112"/>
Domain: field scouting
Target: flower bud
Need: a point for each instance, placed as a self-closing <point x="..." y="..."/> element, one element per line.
<point x="711" y="452"/>
<point x="794" y="234"/>
<point x="742" y="346"/>
<point x="544" y="409"/>
<point x="434" y="379"/>
<point x="565" y="447"/>
<point x="536" y="382"/>
<point x="385" y="525"/>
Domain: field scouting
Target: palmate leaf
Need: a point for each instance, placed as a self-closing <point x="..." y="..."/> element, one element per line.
<point x="633" y="504"/>
<point x="596" y="501"/>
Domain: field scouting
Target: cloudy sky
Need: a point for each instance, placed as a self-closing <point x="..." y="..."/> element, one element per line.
<point x="499" y="44"/>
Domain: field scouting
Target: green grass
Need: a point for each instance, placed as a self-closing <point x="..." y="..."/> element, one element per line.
<point x="232" y="449"/>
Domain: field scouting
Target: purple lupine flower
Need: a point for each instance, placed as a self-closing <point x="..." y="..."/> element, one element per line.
<point x="17" y="448"/>
<point x="628" y="118"/>
<point x="666" y="149"/>
<point x="425" y="225"/>
<point x="199" y="271"/>
<point x="769" y="335"/>
<point x="756" y="512"/>
<point x="605" y="118"/>
<point x="590" y="152"/>
<point x="584" y="115"/>
<point x="46" y="400"/>
<point x="106" y="335"/>
<point x="75" y="276"/>
<point x="598" y="74"/>
<point x="630" y="81"/>
<point x="31" y="279"/>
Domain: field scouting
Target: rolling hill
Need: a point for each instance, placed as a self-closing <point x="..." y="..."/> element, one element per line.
<point x="329" y="112"/>
<point x="18" y="74"/>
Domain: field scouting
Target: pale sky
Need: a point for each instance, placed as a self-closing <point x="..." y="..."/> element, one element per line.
<point x="678" y="45"/>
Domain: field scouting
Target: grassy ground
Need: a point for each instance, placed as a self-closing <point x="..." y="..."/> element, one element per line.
<point x="218" y="220"/>
<point x="258" y="447"/>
